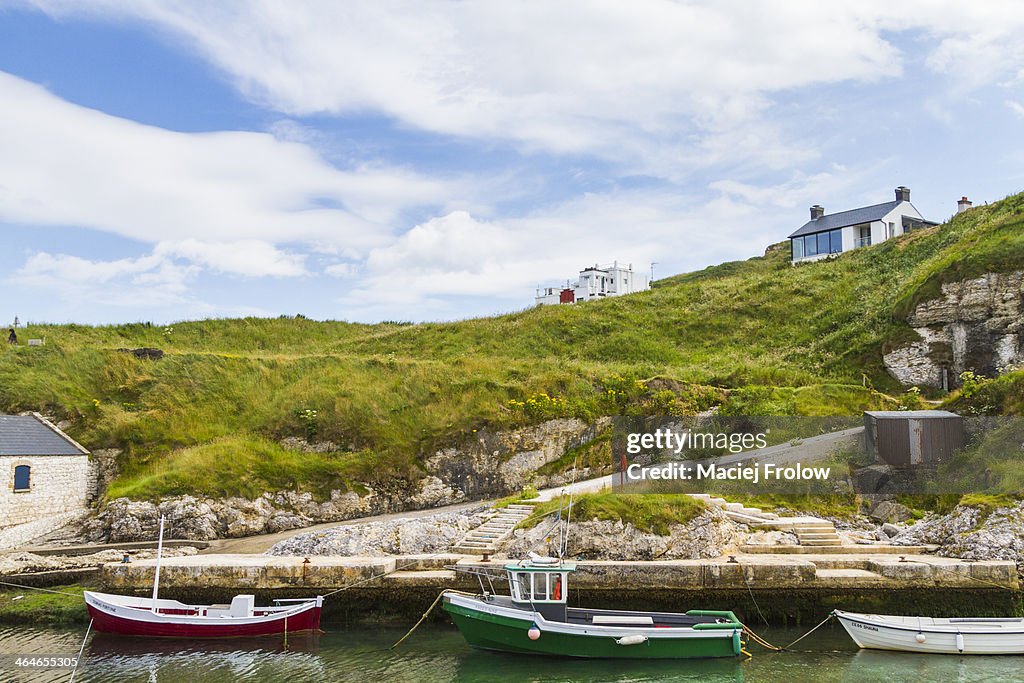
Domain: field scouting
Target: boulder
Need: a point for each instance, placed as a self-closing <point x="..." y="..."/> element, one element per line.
<point x="871" y="479"/>
<point x="890" y="511"/>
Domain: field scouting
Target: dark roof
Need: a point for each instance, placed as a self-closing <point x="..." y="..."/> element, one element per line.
<point x="916" y="414"/>
<point x="831" y="221"/>
<point x="31" y="435"/>
<point x="910" y="220"/>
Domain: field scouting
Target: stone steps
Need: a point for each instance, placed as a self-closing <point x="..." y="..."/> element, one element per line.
<point x="485" y="539"/>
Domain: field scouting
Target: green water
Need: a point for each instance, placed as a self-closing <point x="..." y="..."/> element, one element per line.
<point x="437" y="653"/>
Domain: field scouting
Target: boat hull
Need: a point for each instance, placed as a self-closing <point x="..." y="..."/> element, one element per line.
<point x="968" y="637"/>
<point x="127" y="621"/>
<point x="494" y="628"/>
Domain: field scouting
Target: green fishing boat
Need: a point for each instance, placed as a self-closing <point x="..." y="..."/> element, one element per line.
<point x="534" y="619"/>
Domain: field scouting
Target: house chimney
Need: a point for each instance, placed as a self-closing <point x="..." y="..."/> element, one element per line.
<point x="963" y="205"/>
<point x="817" y="212"/>
<point x="902" y="194"/>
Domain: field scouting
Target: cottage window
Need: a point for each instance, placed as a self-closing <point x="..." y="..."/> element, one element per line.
<point x="798" y="248"/>
<point x="835" y="241"/>
<point x="22" y="477"/>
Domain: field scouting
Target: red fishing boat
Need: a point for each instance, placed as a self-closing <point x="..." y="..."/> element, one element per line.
<point x="134" y="616"/>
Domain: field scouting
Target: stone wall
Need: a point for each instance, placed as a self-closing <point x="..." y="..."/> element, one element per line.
<point x="975" y="325"/>
<point x="58" y="484"/>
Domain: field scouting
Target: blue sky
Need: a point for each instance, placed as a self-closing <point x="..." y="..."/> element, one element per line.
<point x="434" y="161"/>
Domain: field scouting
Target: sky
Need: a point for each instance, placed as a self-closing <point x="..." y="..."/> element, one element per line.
<point x="417" y="161"/>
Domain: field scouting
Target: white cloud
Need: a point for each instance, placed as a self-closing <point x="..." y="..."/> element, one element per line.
<point x="67" y="165"/>
<point x="1016" y="107"/>
<point x="243" y="257"/>
<point x="629" y="81"/>
<point x="146" y="281"/>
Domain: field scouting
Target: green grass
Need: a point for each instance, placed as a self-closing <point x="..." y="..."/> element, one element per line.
<point x="654" y="513"/>
<point x="753" y="337"/>
<point x="27" y="606"/>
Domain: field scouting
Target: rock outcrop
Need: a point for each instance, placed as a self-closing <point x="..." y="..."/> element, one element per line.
<point x="975" y="325"/>
<point x="492" y="464"/>
<point x="403" y="536"/>
<point x="969" y="533"/>
<point x="711" y="534"/>
<point x="205" y="519"/>
<point x="498" y="463"/>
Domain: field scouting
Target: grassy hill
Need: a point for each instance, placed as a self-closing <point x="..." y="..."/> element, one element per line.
<point x="755" y="336"/>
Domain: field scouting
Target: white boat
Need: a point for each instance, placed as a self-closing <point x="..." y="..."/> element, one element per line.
<point x="952" y="636"/>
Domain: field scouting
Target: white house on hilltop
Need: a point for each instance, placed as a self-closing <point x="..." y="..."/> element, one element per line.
<point x="829" y="234"/>
<point x="595" y="282"/>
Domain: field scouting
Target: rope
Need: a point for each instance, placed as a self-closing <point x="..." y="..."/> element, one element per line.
<point x="759" y="640"/>
<point x="80" y="651"/>
<point x="381" y="576"/>
<point x="44" y="590"/>
<point x="823" y="622"/>
<point x="429" y="610"/>
<point x="751" y="594"/>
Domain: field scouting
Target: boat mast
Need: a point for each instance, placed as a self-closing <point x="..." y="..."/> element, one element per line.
<point x="159" y="551"/>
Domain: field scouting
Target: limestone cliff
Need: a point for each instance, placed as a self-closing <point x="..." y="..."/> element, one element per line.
<point x="975" y="325"/>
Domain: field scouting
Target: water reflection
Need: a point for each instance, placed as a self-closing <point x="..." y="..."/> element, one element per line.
<point x="438" y="654"/>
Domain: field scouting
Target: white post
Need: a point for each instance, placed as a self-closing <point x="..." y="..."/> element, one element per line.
<point x="159" y="550"/>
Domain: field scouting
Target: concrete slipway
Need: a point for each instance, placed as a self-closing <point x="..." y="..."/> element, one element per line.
<point x="784" y="587"/>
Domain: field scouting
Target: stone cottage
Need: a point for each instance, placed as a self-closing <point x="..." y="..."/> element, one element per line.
<point x="45" y="475"/>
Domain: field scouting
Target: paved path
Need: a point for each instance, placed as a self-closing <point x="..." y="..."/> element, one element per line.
<point x="264" y="542"/>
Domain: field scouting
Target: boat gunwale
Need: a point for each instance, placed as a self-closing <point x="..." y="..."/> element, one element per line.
<point x="597" y="630"/>
<point x="951" y="629"/>
<point x="147" y="615"/>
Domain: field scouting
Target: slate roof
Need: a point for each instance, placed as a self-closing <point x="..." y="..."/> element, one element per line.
<point x="831" y="221"/>
<point x="31" y="435"/>
<point x="916" y="414"/>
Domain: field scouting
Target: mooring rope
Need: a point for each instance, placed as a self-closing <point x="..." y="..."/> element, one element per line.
<point x="759" y="640"/>
<point x="751" y="593"/>
<point x="775" y="648"/>
<point x="429" y="610"/>
<point x="398" y="567"/>
<point x="80" y="651"/>
<point x="824" y="621"/>
<point x="36" y="588"/>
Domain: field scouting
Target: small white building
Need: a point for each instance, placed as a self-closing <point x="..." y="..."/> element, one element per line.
<point x="595" y="282"/>
<point x="45" y="475"/>
<point x="827" y="235"/>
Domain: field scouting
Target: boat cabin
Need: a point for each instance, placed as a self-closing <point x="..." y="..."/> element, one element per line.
<point x="541" y="584"/>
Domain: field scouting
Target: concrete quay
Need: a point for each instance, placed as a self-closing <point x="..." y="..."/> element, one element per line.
<point x="248" y="573"/>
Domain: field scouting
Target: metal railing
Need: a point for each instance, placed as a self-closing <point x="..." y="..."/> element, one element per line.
<point x="862" y="242"/>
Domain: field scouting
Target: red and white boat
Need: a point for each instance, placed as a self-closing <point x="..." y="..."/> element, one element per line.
<point x="134" y="616"/>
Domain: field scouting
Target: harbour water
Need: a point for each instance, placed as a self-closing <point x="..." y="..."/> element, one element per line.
<point x="436" y="653"/>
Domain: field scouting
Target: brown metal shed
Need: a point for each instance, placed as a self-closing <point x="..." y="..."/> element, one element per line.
<point x="907" y="438"/>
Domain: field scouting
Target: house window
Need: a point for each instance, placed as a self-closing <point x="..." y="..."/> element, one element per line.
<point x="864" y="236"/>
<point x="830" y="242"/>
<point x="22" y="476"/>
<point x="835" y="241"/>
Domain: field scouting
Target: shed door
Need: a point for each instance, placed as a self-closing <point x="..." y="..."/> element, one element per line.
<point x="21" y="477"/>
<point x="916" y="450"/>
